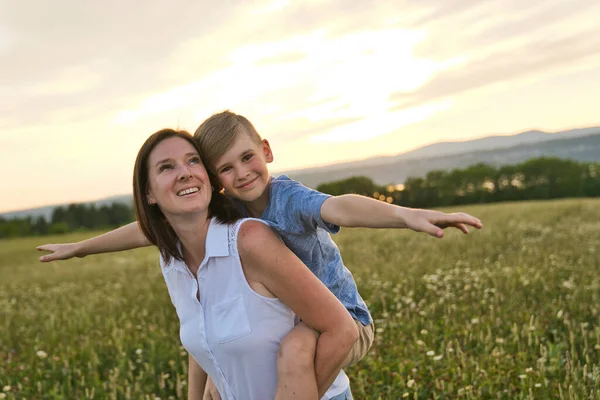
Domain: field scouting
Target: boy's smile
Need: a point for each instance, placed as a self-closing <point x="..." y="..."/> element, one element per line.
<point x="243" y="172"/>
<point x="248" y="185"/>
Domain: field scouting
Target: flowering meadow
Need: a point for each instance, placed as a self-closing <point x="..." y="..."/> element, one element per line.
<point x="508" y="312"/>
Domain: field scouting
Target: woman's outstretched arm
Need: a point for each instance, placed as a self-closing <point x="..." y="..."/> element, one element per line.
<point x="126" y="237"/>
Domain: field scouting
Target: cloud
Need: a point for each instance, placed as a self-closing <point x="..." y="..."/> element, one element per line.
<point x="381" y="124"/>
<point x="503" y="43"/>
<point x="293" y="129"/>
<point x="97" y="58"/>
<point x="503" y="67"/>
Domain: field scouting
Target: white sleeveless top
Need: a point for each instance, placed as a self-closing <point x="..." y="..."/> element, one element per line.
<point x="233" y="332"/>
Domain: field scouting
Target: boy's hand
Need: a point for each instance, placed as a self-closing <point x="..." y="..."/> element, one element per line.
<point x="434" y="222"/>
<point x="62" y="251"/>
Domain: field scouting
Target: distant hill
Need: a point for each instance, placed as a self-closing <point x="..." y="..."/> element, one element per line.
<point x="577" y="144"/>
<point x="581" y="145"/>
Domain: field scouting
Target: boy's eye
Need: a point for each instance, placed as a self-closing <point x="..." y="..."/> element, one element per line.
<point x="225" y="169"/>
<point x="247" y="157"/>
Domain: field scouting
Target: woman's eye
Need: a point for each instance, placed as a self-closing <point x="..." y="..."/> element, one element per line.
<point x="164" y="167"/>
<point x="195" y="160"/>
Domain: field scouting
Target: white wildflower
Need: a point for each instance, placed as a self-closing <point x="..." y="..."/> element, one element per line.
<point x="568" y="285"/>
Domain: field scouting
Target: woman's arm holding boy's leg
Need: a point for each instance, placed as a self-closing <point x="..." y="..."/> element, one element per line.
<point x="196" y="380"/>
<point x="267" y="260"/>
<point x="296" y="364"/>
<point x="124" y="238"/>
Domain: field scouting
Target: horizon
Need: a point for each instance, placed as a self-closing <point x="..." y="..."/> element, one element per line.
<point x="116" y="195"/>
<point x="83" y="86"/>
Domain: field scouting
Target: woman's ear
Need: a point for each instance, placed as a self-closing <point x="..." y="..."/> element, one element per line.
<point x="150" y="199"/>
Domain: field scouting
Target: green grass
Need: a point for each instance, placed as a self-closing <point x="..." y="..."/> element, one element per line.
<point x="508" y="312"/>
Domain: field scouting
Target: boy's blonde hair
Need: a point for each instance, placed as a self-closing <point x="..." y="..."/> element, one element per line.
<point x="216" y="135"/>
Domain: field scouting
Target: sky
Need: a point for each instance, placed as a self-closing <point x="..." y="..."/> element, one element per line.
<point x="83" y="84"/>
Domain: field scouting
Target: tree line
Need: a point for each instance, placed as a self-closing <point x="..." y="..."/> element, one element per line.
<point x="536" y="179"/>
<point x="69" y="218"/>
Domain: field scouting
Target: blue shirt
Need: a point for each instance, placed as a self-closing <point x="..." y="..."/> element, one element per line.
<point x="294" y="212"/>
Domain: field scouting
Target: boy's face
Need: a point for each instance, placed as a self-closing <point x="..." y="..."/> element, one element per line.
<point x="242" y="170"/>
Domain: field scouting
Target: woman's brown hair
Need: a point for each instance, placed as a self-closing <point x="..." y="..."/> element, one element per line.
<point x="151" y="219"/>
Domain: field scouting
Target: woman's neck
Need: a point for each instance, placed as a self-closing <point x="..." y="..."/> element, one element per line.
<point x="192" y="232"/>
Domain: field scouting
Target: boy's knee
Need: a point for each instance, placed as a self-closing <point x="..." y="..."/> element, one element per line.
<point x="297" y="351"/>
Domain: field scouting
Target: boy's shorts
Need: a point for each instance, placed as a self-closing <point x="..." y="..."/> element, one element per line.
<point x="363" y="344"/>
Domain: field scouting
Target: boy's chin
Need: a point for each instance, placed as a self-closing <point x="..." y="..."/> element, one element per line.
<point x="248" y="197"/>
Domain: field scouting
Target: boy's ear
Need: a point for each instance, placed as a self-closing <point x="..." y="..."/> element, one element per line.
<point x="267" y="150"/>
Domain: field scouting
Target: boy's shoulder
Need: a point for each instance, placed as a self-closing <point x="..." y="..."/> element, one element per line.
<point x="284" y="180"/>
<point x="290" y="194"/>
<point x="283" y="185"/>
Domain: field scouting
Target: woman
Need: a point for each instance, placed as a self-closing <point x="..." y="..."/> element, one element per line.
<point x="236" y="287"/>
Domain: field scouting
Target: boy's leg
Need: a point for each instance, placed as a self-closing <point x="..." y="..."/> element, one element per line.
<point x="366" y="334"/>
<point x="296" y="364"/>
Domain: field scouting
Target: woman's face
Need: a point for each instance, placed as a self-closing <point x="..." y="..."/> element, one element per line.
<point x="178" y="182"/>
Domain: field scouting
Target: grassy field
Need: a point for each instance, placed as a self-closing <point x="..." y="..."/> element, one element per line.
<point x="509" y="312"/>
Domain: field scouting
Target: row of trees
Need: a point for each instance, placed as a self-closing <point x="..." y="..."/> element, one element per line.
<point x="69" y="218"/>
<point x="540" y="178"/>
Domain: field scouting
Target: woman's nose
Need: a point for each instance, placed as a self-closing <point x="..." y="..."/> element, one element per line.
<point x="184" y="174"/>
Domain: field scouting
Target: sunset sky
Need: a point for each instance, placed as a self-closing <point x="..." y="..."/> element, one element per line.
<point x="84" y="83"/>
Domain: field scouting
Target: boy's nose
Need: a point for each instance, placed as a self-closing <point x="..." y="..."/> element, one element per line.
<point x="242" y="173"/>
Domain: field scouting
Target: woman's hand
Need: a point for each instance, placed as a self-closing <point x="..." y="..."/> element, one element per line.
<point x="210" y="391"/>
<point x="60" y="251"/>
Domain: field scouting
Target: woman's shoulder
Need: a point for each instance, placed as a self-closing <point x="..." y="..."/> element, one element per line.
<point x="252" y="234"/>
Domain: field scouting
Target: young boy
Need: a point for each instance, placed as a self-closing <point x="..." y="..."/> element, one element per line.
<point x="235" y="153"/>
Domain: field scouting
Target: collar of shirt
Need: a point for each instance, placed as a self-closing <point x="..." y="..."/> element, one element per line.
<point x="217" y="245"/>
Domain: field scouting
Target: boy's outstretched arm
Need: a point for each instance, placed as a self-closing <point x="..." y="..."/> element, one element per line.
<point x="124" y="238"/>
<point x="352" y="210"/>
